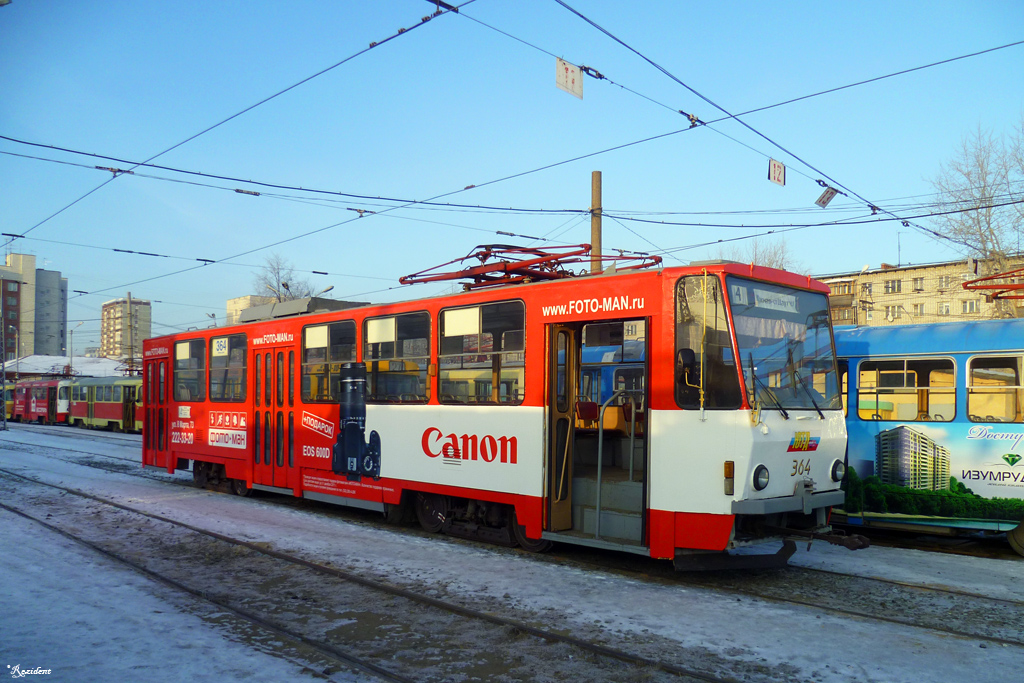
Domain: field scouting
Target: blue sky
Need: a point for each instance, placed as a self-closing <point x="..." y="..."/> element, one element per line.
<point x="455" y="103"/>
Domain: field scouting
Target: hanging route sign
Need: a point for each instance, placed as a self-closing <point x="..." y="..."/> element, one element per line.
<point x="569" y="78"/>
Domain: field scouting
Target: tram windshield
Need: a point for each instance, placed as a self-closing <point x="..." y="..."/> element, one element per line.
<point x="785" y="346"/>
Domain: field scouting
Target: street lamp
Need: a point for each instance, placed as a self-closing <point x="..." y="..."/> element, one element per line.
<point x="324" y="291"/>
<point x="71" y="357"/>
<point x="17" y="352"/>
<point x="280" y="293"/>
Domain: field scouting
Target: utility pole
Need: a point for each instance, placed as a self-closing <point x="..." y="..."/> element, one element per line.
<point x="595" y="222"/>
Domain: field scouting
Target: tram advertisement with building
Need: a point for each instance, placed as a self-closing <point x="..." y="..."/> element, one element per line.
<point x="945" y="470"/>
<point x="935" y="418"/>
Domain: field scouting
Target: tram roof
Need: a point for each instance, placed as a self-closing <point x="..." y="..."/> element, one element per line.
<point x="976" y="336"/>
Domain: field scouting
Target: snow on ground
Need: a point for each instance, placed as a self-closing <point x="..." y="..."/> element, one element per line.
<point x="743" y="628"/>
<point x="84" y="617"/>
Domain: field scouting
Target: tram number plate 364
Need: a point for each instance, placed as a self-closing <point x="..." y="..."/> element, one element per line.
<point x="801" y="467"/>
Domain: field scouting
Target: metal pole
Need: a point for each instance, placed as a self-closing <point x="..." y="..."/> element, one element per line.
<point x="3" y="342"/>
<point x="131" y="338"/>
<point x="595" y="222"/>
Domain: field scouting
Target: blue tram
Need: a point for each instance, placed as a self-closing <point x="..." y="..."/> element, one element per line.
<point x="935" y="418"/>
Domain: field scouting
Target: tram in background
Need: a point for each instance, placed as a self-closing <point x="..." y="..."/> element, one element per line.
<point x="42" y="400"/>
<point x="476" y="411"/>
<point x="935" y="417"/>
<point x="113" y="403"/>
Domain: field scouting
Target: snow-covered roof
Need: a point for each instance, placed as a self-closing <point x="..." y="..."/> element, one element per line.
<point x="55" y="365"/>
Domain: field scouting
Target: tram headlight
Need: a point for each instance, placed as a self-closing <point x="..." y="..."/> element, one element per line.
<point x="760" y="477"/>
<point x="838" y="470"/>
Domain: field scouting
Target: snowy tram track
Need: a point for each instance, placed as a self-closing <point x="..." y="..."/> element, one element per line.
<point x="947" y="610"/>
<point x="317" y="597"/>
<point x="918" y="604"/>
<point x="998" y="621"/>
<point x="68" y="432"/>
<point x="85" y="458"/>
<point x="331" y="654"/>
<point x="724" y="630"/>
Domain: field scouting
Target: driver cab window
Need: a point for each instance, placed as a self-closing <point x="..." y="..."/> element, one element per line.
<point x="704" y="354"/>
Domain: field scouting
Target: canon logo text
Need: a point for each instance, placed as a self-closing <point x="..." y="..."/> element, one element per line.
<point x="470" y="446"/>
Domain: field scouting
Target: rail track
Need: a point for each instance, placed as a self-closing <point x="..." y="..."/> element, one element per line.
<point x="216" y="549"/>
<point x="922" y="605"/>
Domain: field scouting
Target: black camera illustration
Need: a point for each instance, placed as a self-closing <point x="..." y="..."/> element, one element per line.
<point x="354" y="456"/>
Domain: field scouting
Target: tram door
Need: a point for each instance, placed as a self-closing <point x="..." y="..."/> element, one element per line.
<point x="156" y="424"/>
<point x="273" y="423"/>
<point x="128" y="408"/>
<point x="563" y="364"/>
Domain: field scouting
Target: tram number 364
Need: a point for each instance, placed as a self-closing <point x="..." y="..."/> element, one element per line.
<point x="801" y="467"/>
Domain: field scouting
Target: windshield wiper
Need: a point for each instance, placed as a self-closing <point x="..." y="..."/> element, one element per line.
<point x="800" y="380"/>
<point x="807" y="391"/>
<point x="768" y="392"/>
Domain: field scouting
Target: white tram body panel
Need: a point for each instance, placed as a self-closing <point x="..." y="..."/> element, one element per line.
<point x="688" y="452"/>
<point x="491" y="448"/>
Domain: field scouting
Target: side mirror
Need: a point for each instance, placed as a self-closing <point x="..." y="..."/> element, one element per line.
<point x="686" y="361"/>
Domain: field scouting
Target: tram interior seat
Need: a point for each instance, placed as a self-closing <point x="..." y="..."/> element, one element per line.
<point x="615" y="452"/>
<point x="587" y="411"/>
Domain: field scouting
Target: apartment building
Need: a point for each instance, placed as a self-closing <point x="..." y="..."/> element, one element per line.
<point x="924" y="293"/>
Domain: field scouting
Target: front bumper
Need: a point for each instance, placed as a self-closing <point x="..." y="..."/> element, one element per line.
<point x="803" y="500"/>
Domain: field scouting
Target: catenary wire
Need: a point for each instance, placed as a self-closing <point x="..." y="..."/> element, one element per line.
<point x="735" y="117"/>
<point x="248" y="109"/>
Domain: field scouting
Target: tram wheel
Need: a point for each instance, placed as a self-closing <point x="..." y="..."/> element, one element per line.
<point x="397" y="514"/>
<point x="533" y="545"/>
<point x="200" y="474"/>
<point x="1016" y="538"/>
<point x="431" y="511"/>
<point x="239" y="488"/>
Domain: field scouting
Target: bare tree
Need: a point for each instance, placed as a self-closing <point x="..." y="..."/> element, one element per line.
<point x="773" y="253"/>
<point x="976" y="187"/>
<point x="277" y="278"/>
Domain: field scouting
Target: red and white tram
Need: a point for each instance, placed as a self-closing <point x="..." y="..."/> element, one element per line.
<point x="472" y="410"/>
<point x="42" y="400"/>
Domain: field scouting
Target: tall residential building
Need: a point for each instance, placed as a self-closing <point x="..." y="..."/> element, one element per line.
<point x="906" y="457"/>
<point x="35" y="308"/>
<point x="122" y="329"/>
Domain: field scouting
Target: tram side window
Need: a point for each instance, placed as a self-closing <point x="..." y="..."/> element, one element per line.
<point x="612" y="362"/>
<point x="703" y="336"/>
<point x="396" y="350"/>
<point x="190" y="370"/>
<point x="907" y="390"/>
<point x="844" y="374"/>
<point x="994" y="390"/>
<point x="482" y="354"/>
<point x="227" y="368"/>
<point x="324" y="349"/>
